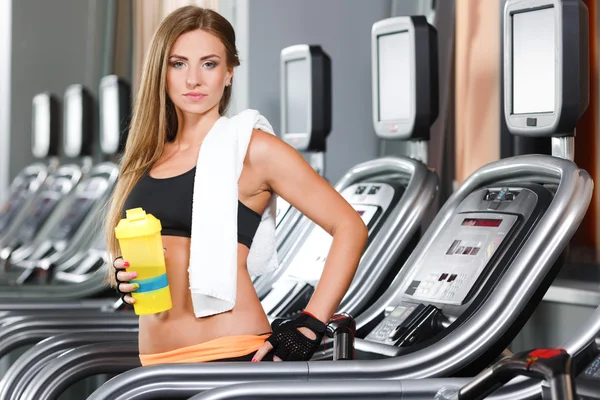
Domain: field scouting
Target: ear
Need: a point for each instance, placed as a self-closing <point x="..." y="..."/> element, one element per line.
<point x="229" y="75"/>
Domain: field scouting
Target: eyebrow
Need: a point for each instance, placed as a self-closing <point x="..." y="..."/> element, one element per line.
<point x="201" y="58"/>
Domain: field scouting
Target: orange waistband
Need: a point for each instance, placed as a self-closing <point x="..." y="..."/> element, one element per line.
<point x="225" y="347"/>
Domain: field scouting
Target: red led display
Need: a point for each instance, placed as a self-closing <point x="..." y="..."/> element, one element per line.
<point x="487" y="222"/>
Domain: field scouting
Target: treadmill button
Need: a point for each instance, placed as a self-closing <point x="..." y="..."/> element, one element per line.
<point x="360" y="190"/>
<point x="452" y="277"/>
<point x="443" y="277"/>
<point x="374" y="190"/>
<point x="494" y="205"/>
<point x="491" y="196"/>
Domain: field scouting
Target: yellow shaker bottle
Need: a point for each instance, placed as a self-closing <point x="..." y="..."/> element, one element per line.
<point x="141" y="245"/>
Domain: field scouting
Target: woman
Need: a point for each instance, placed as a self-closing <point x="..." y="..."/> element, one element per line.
<point x="185" y="87"/>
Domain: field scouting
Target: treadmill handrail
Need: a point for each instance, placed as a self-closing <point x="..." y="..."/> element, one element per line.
<point x="32" y="328"/>
<point x="523" y="277"/>
<point x="425" y="389"/>
<point x="79" y="363"/>
<point x="23" y="370"/>
<point x="41" y="172"/>
<point x="73" y="291"/>
<point x="519" y="388"/>
<point x="465" y="343"/>
<point x="165" y="379"/>
<point x="333" y="390"/>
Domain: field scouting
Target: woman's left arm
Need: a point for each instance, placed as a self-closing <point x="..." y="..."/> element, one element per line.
<point x="286" y="173"/>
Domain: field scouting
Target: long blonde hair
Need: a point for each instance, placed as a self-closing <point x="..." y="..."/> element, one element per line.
<point x="154" y="119"/>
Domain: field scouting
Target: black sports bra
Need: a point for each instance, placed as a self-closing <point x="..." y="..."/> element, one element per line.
<point x="170" y="200"/>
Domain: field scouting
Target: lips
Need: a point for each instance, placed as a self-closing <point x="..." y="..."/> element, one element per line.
<point x="195" y="96"/>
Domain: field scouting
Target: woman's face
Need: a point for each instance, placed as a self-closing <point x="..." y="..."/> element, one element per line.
<point x="197" y="72"/>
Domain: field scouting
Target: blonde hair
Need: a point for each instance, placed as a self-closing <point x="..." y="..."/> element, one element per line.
<point x="154" y="118"/>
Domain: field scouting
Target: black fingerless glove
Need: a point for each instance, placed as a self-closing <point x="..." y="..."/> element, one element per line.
<point x="119" y="292"/>
<point x="290" y="344"/>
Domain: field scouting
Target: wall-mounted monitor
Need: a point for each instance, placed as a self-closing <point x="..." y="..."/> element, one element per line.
<point x="305" y="97"/>
<point x="45" y="125"/>
<point x="546" y="67"/>
<point x="114" y="112"/>
<point x="404" y="77"/>
<point x="78" y="124"/>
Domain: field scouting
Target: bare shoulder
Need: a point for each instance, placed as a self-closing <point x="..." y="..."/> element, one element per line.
<point x="265" y="148"/>
<point x="262" y="142"/>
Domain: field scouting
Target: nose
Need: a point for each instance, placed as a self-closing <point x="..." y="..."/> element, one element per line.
<point x="193" y="78"/>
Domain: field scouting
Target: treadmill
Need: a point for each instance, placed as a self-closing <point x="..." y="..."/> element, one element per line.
<point x="26" y="185"/>
<point x="67" y="263"/>
<point x="38" y="222"/>
<point x="305" y="125"/>
<point x="421" y="182"/>
<point x="391" y="194"/>
<point x="452" y="312"/>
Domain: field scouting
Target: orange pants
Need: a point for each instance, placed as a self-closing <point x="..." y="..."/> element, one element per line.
<point x="217" y="349"/>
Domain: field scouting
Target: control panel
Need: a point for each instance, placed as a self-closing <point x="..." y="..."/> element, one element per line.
<point x="282" y="209"/>
<point x="407" y="325"/>
<point x="10" y="208"/>
<point x="21" y="190"/>
<point x="456" y="260"/>
<point x="593" y="370"/>
<point x="369" y="200"/>
<point x="87" y="194"/>
<point x="388" y="328"/>
<point x="39" y="213"/>
<point x="46" y="203"/>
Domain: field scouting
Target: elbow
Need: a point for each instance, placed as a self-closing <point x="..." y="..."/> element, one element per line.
<point x="360" y="230"/>
<point x="364" y="234"/>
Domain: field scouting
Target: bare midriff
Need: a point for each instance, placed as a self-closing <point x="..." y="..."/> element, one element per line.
<point x="179" y="327"/>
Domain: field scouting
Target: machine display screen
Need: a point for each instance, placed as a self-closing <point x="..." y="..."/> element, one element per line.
<point x="486" y="222"/>
<point x="73" y="124"/>
<point x="109" y="119"/>
<point x="41" y="125"/>
<point x="453" y="264"/>
<point x="394" y="84"/>
<point x="593" y="370"/>
<point x="533" y="58"/>
<point x="309" y="261"/>
<point x="297" y="92"/>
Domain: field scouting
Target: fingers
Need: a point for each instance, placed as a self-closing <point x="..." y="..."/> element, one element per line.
<point x="126" y="276"/>
<point x="128" y="287"/>
<point x="260" y="353"/>
<point x="128" y="299"/>
<point x="119" y="263"/>
<point x="275" y="358"/>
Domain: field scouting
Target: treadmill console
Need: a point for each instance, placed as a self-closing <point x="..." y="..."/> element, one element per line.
<point x="88" y="193"/>
<point x="454" y="263"/>
<point x="588" y="382"/>
<point x="282" y="209"/>
<point x="292" y="291"/>
<point x="38" y="214"/>
<point x="369" y="201"/>
<point x="12" y="206"/>
<point x="593" y="370"/>
<point x="46" y="203"/>
<point x="407" y="325"/>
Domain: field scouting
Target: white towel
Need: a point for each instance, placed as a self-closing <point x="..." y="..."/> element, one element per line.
<point x="213" y="254"/>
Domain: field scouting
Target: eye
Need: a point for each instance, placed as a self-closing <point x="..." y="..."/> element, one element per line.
<point x="210" y="64"/>
<point x="177" y="64"/>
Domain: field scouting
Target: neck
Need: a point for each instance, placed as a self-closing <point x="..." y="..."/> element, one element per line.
<point x="193" y="128"/>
